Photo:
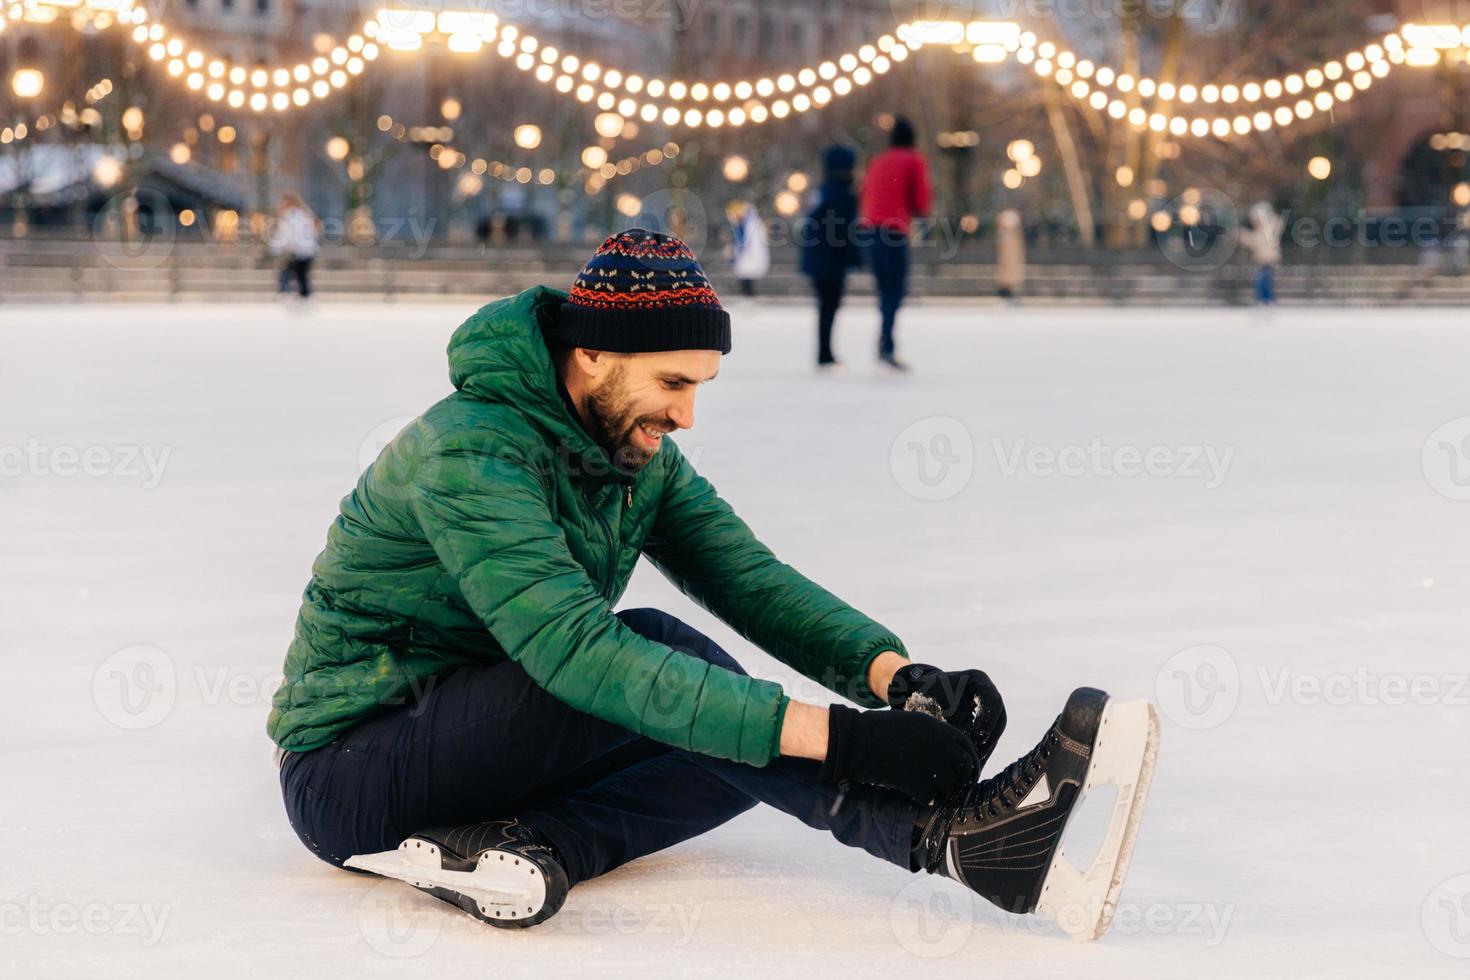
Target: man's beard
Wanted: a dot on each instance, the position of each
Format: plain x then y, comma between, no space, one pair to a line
613,423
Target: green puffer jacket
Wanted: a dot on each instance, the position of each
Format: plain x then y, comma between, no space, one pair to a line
493,527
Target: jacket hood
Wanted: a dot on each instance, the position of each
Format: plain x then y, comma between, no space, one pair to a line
500,355
838,162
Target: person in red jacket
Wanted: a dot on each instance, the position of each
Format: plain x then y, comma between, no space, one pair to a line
895,191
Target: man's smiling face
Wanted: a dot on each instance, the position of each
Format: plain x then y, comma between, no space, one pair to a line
629,402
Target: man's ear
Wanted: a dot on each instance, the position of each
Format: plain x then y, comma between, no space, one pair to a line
593,363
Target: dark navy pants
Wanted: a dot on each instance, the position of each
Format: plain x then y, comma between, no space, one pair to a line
889,255
486,743
829,298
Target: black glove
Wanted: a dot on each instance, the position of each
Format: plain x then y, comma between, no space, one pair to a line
921,757
965,699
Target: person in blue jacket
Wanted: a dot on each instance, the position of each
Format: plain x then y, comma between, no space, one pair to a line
827,250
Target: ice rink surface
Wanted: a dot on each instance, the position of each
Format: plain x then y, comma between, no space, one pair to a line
1260,522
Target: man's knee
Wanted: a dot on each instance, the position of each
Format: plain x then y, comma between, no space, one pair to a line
657,625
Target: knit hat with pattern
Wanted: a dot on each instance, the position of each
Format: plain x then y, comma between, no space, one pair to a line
643,291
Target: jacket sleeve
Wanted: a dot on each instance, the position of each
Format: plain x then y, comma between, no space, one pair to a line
923,193
485,508
701,546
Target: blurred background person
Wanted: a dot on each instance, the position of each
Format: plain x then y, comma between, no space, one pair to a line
1263,238
294,239
896,190
750,249
827,249
1010,255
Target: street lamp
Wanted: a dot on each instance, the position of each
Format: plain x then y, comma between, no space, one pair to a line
608,124
107,172
132,120
528,136
27,83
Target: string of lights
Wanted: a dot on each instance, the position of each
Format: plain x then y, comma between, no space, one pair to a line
596,171
260,89
631,94
1225,109
1327,85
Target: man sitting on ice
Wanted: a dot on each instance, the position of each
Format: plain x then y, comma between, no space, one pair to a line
463,709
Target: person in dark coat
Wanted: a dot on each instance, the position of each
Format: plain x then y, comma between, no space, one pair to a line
827,253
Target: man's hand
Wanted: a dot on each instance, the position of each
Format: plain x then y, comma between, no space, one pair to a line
921,757
966,699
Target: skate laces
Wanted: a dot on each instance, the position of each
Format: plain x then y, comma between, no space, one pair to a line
1000,793
988,799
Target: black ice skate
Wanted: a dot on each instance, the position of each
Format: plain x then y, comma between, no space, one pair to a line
1006,838
497,871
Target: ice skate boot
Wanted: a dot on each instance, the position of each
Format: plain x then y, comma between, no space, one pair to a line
1015,838
498,871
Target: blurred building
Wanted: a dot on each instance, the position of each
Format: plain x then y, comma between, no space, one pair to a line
748,36
209,155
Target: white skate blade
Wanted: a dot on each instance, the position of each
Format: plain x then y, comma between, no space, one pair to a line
1082,901
500,882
